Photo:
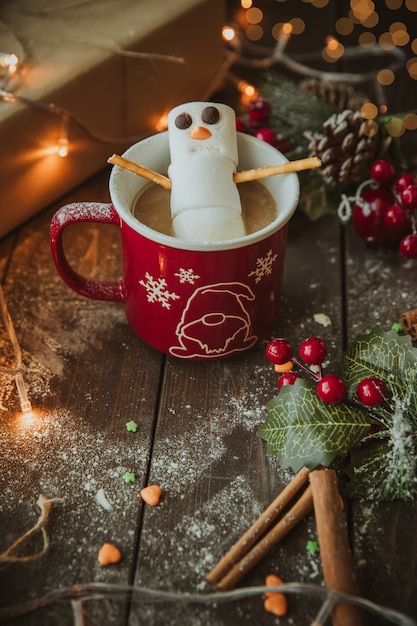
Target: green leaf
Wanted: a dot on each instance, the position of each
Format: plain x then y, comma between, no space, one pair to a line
383,354
301,430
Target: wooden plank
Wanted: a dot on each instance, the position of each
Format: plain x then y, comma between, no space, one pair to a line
380,286
212,467
87,375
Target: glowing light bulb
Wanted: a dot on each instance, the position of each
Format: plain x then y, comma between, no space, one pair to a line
9,62
228,33
62,147
25,403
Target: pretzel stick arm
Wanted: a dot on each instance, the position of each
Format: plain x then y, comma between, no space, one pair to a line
140,170
272,170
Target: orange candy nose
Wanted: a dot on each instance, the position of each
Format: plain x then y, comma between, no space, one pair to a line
200,132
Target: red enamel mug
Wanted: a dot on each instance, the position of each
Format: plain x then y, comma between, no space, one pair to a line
192,300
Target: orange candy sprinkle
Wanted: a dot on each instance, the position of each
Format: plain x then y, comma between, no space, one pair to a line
283,367
151,494
109,554
275,602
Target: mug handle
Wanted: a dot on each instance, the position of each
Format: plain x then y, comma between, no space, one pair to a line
83,212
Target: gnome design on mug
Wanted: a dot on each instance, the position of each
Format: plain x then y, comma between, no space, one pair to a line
215,322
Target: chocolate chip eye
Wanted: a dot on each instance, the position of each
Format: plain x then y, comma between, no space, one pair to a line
183,121
210,115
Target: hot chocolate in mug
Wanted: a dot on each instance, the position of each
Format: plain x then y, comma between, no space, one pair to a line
193,300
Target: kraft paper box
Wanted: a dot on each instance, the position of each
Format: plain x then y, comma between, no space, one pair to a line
80,59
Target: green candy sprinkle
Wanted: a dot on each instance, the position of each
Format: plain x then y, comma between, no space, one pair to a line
129,477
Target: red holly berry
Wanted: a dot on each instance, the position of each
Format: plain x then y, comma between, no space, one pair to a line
408,246
396,219
372,391
403,181
368,217
313,351
409,197
279,351
267,135
241,126
259,111
382,172
288,378
331,389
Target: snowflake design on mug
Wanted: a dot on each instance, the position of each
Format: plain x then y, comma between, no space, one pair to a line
187,276
263,266
157,291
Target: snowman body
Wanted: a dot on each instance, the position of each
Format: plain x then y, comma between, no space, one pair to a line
205,202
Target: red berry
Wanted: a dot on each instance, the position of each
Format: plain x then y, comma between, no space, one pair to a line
396,219
382,172
409,197
279,351
267,135
372,391
408,246
404,180
313,351
259,111
288,378
331,389
241,126
368,217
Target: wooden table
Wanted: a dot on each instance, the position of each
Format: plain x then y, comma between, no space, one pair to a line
87,375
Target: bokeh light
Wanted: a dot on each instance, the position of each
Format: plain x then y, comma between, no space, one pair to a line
410,121
393,4
282,31
344,26
411,66
333,50
396,127
367,40
385,77
386,41
254,15
254,32
369,110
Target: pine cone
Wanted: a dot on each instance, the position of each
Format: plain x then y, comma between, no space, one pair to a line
337,95
346,148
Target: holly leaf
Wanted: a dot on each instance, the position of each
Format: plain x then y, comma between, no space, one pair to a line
383,354
301,430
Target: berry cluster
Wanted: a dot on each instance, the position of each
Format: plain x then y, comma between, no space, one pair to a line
259,111
385,212
331,389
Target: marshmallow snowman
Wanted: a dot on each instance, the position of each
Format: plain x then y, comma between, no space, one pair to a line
205,202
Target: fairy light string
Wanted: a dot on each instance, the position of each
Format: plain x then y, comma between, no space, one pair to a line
11,63
84,592
18,371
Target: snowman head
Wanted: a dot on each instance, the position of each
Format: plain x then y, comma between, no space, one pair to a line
202,128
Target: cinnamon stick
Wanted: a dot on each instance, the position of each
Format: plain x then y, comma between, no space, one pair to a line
336,557
408,321
272,170
300,509
243,545
140,170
